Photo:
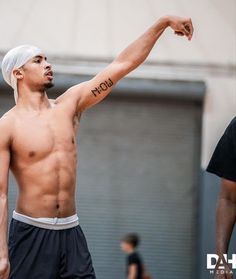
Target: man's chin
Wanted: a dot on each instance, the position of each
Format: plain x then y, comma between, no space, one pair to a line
48,85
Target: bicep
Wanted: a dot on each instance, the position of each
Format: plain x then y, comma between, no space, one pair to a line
86,94
100,86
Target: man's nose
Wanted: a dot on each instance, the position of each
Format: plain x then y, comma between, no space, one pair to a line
48,65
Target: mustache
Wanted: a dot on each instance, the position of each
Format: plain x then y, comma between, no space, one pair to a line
49,72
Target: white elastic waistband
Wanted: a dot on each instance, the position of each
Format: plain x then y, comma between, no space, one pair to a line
48,223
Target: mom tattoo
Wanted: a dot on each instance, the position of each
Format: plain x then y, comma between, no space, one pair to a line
103,86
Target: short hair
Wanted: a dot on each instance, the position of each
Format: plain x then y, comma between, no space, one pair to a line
132,238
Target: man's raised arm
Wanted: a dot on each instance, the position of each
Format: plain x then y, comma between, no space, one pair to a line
4,171
93,91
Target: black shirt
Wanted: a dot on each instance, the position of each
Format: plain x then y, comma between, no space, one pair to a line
223,160
134,258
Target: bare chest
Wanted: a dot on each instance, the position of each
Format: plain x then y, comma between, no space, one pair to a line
37,137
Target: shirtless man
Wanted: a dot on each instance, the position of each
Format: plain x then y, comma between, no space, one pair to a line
38,144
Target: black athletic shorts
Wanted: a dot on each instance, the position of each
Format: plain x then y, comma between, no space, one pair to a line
37,253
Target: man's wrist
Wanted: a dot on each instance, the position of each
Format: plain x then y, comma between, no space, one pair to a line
166,20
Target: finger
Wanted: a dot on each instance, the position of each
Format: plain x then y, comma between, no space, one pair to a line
186,27
179,33
188,30
189,27
185,31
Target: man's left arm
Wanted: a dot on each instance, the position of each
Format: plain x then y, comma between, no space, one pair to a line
91,92
225,215
225,221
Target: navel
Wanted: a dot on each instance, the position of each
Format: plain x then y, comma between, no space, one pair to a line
73,140
31,153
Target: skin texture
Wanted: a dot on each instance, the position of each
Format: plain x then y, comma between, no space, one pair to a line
225,221
38,135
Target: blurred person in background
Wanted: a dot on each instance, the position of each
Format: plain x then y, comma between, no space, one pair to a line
135,268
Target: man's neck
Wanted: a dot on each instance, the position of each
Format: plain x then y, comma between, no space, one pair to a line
33,101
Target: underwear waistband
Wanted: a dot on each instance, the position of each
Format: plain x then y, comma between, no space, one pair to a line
56,223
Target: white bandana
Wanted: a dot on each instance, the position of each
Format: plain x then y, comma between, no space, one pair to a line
16,58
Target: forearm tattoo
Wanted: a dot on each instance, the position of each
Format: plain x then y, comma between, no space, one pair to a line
103,86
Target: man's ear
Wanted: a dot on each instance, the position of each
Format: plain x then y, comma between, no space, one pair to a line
18,73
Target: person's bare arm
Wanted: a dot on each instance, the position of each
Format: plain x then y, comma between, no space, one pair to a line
132,272
93,91
4,171
225,219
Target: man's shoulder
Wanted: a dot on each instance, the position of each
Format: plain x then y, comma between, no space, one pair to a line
7,115
6,122
233,122
231,128
70,92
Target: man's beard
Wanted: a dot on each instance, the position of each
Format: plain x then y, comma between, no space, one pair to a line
48,85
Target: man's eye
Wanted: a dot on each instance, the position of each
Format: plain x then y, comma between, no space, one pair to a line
37,61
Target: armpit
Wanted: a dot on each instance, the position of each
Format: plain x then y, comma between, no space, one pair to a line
76,119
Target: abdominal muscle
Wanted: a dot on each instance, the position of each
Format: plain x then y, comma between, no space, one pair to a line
47,186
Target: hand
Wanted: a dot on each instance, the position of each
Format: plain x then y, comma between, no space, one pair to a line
226,275
4,268
182,26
